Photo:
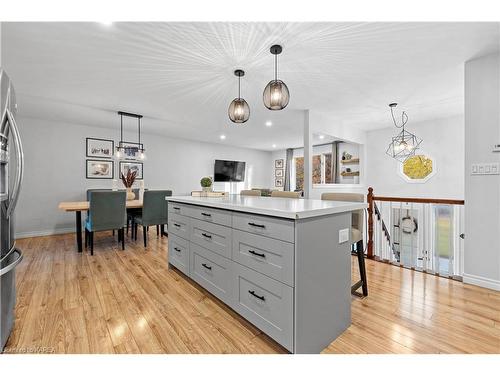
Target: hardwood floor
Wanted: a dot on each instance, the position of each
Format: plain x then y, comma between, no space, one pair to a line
129,302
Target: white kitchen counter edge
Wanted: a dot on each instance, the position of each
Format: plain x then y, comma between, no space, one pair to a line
333,207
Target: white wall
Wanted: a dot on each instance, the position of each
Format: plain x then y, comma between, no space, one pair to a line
443,139
55,169
482,193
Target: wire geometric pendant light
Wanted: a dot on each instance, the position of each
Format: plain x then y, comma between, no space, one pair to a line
404,144
239,111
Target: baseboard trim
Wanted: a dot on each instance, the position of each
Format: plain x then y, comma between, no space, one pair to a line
49,232
481,281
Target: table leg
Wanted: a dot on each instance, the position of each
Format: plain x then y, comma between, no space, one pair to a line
79,230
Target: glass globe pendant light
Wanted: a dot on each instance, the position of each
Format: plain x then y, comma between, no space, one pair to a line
239,111
276,95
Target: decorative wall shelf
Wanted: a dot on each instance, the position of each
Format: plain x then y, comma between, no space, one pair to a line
349,174
350,161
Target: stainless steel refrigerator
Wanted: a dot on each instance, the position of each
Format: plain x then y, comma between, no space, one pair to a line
11,176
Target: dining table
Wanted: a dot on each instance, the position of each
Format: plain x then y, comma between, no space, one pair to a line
78,207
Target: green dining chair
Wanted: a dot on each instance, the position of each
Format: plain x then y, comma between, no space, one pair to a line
106,212
154,212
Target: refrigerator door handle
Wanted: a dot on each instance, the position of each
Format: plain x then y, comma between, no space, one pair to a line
13,265
20,163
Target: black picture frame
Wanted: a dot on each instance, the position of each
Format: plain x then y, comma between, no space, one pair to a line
278,182
108,176
90,155
140,175
131,149
279,163
279,172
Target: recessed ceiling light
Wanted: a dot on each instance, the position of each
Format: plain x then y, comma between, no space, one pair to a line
274,146
222,136
321,136
269,123
106,23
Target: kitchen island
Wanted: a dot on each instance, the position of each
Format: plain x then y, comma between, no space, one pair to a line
281,263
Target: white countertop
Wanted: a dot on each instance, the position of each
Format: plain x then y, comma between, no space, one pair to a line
289,208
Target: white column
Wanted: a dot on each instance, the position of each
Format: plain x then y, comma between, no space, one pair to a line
307,156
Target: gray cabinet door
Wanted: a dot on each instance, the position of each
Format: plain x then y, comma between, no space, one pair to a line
210,215
281,229
178,253
212,271
178,225
266,303
211,236
273,258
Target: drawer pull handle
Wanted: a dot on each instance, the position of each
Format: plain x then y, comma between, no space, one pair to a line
256,253
207,267
257,225
177,225
205,214
176,249
252,292
177,208
206,235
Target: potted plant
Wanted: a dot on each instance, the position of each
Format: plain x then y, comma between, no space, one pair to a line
206,184
128,181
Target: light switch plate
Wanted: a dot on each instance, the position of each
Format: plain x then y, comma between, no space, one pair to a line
343,235
485,168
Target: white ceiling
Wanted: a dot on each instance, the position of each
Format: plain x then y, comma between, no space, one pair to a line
180,75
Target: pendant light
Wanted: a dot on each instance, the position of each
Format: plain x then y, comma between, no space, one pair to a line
276,95
124,150
239,111
404,144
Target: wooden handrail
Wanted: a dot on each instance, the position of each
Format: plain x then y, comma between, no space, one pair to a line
370,198
419,200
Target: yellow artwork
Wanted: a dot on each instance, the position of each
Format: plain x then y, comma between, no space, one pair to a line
417,167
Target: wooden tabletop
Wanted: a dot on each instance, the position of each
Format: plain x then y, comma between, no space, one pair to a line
84,205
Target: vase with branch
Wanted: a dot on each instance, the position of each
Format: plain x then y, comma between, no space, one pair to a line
128,181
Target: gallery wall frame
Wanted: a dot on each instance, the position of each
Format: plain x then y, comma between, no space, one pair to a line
99,169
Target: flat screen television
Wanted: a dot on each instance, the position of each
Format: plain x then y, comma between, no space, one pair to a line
229,171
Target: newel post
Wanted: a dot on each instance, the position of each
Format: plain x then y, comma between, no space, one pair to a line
369,200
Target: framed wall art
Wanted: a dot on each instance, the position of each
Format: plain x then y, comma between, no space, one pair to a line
100,148
125,166
131,149
278,172
99,169
278,182
278,163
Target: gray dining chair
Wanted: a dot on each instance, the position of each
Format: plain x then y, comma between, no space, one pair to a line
252,193
356,235
154,212
285,194
106,212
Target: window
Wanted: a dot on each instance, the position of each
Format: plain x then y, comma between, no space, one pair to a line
322,170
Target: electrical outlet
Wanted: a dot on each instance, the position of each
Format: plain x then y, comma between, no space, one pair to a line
343,235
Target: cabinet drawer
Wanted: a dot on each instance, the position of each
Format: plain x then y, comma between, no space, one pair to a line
178,225
178,253
210,215
212,271
177,208
273,258
266,303
280,229
211,236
